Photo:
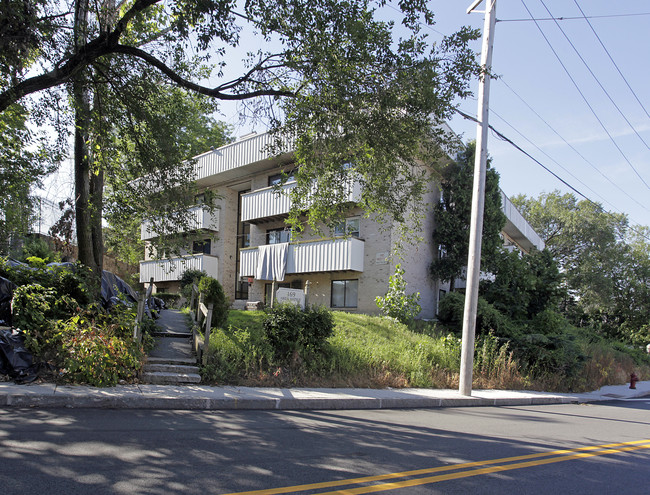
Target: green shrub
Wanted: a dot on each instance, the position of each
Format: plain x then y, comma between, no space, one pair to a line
97,348
488,318
188,278
171,299
292,331
213,294
35,310
396,303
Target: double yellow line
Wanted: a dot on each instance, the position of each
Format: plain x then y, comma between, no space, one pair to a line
464,470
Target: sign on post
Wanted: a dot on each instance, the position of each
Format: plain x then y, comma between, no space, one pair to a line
294,296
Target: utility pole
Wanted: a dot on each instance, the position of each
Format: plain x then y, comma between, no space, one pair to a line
478,202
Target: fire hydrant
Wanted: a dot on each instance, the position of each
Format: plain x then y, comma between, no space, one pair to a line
633,380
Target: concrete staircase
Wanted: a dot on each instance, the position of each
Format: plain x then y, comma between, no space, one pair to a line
172,361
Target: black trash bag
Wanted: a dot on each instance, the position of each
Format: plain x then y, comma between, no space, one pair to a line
7,288
15,360
112,287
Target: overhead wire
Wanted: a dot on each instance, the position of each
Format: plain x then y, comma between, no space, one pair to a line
602,174
501,136
564,18
627,160
586,18
597,80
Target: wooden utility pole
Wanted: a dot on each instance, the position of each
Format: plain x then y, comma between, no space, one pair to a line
478,202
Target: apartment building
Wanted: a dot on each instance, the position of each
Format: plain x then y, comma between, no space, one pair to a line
246,245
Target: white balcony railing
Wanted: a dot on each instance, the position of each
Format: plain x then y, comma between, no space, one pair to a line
269,202
173,269
313,256
199,218
518,228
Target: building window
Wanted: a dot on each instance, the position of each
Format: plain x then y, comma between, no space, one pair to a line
269,287
345,293
202,247
276,179
276,236
350,227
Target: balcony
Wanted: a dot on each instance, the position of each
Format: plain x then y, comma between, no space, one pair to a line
199,218
172,269
268,202
328,255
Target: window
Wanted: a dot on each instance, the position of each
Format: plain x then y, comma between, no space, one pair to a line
276,236
268,288
349,227
202,247
276,179
344,293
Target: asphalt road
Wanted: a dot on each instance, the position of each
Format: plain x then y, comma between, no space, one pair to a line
518,450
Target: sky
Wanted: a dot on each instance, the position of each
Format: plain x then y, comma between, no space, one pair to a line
547,100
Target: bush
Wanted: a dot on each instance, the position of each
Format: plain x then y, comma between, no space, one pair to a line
171,300
97,348
293,332
188,278
488,318
396,303
34,310
213,294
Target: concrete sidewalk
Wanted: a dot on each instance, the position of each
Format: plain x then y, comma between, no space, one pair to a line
225,398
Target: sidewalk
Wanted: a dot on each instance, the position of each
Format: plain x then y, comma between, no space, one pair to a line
225,398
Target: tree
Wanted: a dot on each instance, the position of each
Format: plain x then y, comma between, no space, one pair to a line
452,218
604,265
335,79
24,161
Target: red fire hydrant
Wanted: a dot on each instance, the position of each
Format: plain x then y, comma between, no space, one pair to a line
633,380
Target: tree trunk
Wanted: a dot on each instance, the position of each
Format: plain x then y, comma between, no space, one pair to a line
89,183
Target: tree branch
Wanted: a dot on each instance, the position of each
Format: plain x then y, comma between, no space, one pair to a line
215,92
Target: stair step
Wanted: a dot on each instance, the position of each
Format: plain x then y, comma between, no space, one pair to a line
170,334
171,368
170,360
165,378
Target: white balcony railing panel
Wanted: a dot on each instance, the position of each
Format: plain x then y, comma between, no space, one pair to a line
313,256
199,218
518,228
266,202
173,269
269,202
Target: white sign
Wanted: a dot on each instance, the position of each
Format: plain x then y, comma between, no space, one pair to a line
381,258
294,296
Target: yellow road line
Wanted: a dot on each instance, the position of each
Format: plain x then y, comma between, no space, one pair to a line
478,472
381,477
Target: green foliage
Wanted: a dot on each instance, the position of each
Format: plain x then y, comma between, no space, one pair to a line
524,285
488,318
98,348
452,218
213,294
188,278
171,299
37,247
606,267
293,332
396,303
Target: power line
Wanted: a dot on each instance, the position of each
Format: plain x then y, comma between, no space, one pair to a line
515,145
586,18
570,145
585,99
550,157
610,16
597,80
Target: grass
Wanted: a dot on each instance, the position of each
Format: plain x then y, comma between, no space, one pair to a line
374,352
